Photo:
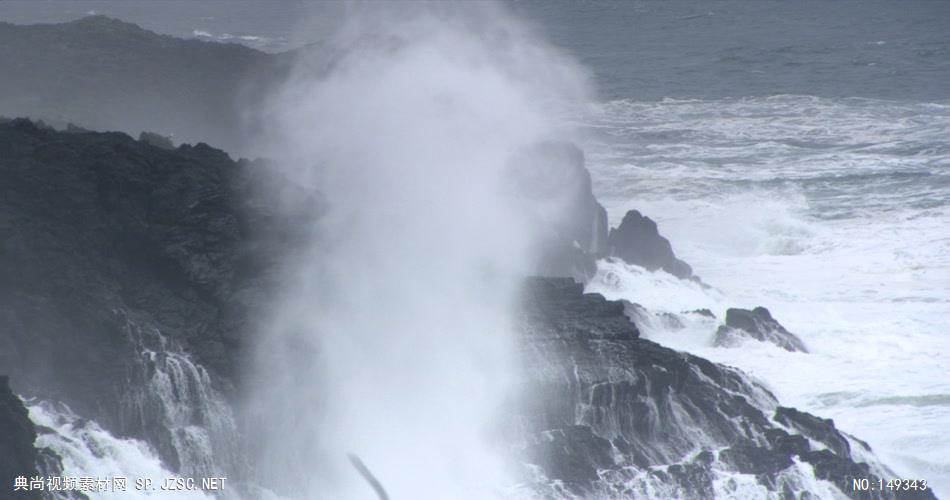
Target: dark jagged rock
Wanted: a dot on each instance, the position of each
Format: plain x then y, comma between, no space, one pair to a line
757,324
18,456
552,177
111,75
101,236
615,415
638,241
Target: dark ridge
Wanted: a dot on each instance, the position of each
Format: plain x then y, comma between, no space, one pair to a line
108,74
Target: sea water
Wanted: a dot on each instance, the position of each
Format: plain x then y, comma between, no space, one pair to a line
832,212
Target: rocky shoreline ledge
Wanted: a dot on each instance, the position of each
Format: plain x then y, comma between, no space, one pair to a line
121,258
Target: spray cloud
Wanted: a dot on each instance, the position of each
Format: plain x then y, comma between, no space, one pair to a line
392,338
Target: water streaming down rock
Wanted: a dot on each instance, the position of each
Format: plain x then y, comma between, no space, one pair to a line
122,294
171,401
185,427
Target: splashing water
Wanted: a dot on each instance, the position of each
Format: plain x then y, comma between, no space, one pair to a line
833,213
187,428
172,401
87,450
392,338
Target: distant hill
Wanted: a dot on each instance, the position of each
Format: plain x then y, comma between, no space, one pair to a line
107,74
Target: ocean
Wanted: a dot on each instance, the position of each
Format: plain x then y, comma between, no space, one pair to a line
796,154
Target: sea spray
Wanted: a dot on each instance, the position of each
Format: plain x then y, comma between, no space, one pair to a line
392,337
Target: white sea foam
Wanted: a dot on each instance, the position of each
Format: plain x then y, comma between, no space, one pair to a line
834,214
87,450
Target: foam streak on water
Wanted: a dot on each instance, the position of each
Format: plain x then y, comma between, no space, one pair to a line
834,214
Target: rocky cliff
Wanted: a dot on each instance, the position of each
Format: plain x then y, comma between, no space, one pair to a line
118,258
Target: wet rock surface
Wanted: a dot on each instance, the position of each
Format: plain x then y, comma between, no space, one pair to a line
613,414
757,324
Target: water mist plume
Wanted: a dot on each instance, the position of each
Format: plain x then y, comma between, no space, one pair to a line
392,338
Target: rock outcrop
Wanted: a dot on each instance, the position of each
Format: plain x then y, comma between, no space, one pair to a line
618,416
18,456
638,241
757,324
